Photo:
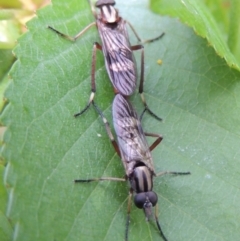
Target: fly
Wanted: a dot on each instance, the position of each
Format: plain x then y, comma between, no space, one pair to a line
136,157
117,51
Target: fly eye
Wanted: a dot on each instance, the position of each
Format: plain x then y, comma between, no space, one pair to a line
142,200
153,198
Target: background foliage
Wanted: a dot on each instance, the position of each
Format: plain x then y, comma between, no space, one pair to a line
194,91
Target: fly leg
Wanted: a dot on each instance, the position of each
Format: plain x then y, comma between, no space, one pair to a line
137,47
146,108
95,47
173,173
114,143
108,129
93,83
158,224
156,207
116,179
156,142
73,39
139,39
128,213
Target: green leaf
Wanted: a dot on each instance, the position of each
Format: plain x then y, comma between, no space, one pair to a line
5,226
220,11
193,90
198,16
234,31
6,60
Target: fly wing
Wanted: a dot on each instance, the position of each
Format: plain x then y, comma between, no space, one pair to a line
119,59
131,139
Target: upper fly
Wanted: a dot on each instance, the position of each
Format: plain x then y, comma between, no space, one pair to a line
117,50
119,60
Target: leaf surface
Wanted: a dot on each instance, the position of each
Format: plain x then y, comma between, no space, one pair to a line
193,90
222,36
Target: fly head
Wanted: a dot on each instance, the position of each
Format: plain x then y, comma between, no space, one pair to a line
145,201
100,3
108,13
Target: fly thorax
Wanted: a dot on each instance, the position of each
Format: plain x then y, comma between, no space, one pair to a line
109,14
141,179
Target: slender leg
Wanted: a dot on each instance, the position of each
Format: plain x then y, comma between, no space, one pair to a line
158,224
139,39
142,70
141,91
73,39
116,179
173,173
128,214
146,108
93,83
95,47
153,39
156,142
108,129
156,207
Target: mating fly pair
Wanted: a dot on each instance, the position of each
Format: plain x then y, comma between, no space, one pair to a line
118,53
132,146
136,157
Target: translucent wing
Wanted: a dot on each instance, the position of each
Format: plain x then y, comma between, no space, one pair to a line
131,139
119,59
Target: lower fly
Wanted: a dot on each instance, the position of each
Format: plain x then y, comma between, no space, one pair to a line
132,147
